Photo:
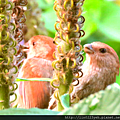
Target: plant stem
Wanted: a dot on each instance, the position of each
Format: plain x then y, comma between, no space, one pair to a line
4,97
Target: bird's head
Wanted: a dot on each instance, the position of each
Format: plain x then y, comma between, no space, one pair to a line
41,47
101,55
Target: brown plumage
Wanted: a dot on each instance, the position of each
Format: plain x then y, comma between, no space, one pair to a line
99,70
37,65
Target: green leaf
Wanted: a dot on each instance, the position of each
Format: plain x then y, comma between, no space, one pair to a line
32,111
114,44
44,4
65,100
33,79
91,12
49,18
118,79
49,1
101,15
105,102
109,22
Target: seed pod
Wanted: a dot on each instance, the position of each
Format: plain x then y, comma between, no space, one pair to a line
67,40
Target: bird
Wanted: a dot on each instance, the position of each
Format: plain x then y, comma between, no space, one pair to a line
38,64
99,70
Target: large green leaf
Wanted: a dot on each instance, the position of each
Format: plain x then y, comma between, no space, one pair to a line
32,111
105,102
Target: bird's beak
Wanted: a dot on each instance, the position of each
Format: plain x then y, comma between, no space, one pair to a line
88,48
25,48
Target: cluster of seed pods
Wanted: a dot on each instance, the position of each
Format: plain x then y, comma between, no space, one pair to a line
19,21
7,53
67,66
11,23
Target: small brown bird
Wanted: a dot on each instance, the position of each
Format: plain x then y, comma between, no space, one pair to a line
99,70
37,65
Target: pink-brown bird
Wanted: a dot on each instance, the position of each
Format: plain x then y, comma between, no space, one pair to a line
37,65
99,71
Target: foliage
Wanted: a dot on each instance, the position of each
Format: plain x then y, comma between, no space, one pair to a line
68,31
101,15
34,25
48,15
101,22
32,111
105,102
65,100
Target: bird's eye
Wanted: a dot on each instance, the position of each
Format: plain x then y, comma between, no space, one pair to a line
103,50
34,43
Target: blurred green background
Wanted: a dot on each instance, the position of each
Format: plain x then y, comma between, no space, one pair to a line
102,21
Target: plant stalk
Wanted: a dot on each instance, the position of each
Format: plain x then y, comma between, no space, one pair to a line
4,97
68,44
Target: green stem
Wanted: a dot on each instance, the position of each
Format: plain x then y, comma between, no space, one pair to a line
4,97
64,87
62,90
60,107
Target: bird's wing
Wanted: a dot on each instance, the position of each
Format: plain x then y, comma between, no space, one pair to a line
88,84
28,90
36,67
